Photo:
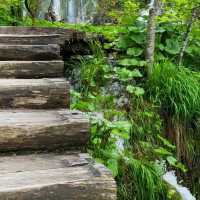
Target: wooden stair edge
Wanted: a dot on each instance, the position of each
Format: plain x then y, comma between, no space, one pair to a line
31,69
44,93
55,176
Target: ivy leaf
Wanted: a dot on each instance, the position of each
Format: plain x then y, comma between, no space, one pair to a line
134,52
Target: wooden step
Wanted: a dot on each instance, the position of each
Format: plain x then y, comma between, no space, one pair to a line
65,34
29,52
55,177
31,69
29,39
34,93
42,130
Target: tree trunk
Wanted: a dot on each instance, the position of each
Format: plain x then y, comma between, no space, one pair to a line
186,37
151,35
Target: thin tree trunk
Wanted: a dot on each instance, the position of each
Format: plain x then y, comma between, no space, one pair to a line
178,135
186,37
151,35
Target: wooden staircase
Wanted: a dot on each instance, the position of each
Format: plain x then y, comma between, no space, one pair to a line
41,142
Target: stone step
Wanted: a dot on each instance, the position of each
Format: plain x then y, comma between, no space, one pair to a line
29,39
42,130
29,52
54,177
44,93
31,69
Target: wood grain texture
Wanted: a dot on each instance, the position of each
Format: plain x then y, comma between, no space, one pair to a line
34,93
65,34
31,69
42,130
55,177
29,52
29,39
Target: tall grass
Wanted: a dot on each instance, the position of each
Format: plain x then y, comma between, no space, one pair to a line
177,89
140,180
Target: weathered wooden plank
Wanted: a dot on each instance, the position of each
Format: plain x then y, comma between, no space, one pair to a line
31,69
29,52
55,177
42,129
65,34
34,93
29,39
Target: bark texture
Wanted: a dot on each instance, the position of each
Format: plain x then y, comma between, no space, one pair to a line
151,35
186,36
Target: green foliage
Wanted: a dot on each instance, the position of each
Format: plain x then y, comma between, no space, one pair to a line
126,134
176,89
10,12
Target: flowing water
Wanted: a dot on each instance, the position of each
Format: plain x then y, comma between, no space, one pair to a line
72,11
56,6
184,192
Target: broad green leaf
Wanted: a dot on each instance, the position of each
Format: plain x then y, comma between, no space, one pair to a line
173,161
172,46
139,38
166,142
134,51
163,152
128,62
123,43
138,91
125,74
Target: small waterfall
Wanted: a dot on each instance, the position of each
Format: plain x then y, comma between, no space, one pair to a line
82,11
184,192
56,6
71,11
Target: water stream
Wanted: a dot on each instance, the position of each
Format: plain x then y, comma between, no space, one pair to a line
184,192
56,6
72,11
